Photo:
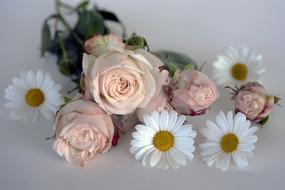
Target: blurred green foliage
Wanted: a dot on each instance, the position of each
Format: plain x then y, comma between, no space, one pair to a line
67,44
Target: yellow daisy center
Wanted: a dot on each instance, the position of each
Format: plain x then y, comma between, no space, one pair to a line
34,97
239,71
163,140
229,143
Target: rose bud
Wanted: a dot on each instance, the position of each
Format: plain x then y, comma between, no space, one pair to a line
82,131
99,45
252,100
192,92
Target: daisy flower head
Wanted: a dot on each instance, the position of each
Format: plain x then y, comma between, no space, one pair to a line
231,137
33,95
164,140
238,65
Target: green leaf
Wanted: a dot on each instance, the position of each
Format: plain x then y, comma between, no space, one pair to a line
109,16
276,99
90,23
65,66
66,99
46,38
136,42
181,61
172,69
81,6
189,67
264,120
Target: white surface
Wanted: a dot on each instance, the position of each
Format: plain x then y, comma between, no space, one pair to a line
199,28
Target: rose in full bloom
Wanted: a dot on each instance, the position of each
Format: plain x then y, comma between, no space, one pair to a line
82,131
192,93
252,100
120,80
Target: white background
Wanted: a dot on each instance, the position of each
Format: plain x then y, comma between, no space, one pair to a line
199,28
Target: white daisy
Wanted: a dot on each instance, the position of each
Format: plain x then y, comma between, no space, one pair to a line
231,137
33,95
163,140
237,66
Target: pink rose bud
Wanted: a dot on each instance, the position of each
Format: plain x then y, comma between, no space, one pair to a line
82,131
252,100
192,93
98,45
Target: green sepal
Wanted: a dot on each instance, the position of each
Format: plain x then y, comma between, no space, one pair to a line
189,67
136,42
45,38
179,60
66,99
264,120
176,62
276,99
172,69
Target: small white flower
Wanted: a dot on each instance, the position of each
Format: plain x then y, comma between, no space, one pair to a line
238,66
231,137
31,95
164,140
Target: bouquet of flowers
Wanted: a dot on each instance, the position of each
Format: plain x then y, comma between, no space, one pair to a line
123,86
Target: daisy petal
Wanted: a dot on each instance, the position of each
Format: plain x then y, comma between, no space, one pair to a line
230,121
240,160
225,162
171,161
210,151
249,139
150,122
210,160
210,135
142,151
179,123
172,119
222,122
147,157
155,157
163,120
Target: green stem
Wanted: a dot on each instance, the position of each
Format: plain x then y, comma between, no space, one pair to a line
66,6
65,23
65,55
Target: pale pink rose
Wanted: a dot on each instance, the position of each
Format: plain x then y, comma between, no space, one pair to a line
158,103
159,100
192,93
82,131
161,76
252,100
121,82
98,44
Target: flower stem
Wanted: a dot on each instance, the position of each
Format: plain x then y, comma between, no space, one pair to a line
65,23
